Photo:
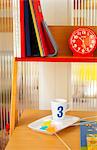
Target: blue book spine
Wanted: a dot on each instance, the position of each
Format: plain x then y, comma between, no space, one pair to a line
27,28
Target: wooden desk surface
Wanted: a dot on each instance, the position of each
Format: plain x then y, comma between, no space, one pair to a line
24,138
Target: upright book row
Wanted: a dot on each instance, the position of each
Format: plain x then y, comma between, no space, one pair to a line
32,36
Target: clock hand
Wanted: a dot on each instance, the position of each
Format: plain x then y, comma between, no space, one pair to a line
83,42
81,39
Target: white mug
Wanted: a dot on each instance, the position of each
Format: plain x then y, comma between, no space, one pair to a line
59,107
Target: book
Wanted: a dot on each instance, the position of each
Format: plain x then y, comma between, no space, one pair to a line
33,38
89,136
27,29
51,43
37,18
14,27
18,28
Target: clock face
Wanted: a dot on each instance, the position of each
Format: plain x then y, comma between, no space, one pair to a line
83,41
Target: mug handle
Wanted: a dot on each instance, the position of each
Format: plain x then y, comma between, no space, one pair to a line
68,109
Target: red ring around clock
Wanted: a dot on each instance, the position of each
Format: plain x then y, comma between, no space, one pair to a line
83,42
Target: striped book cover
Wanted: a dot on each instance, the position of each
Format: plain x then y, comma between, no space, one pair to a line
89,136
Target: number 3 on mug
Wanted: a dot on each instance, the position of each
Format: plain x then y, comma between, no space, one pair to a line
60,112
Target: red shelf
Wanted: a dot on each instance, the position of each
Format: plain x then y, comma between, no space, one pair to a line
58,59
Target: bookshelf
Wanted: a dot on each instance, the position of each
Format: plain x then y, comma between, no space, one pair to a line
61,35
65,55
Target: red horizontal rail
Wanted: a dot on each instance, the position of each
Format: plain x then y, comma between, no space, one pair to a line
58,59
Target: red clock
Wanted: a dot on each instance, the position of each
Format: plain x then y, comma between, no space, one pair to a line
83,42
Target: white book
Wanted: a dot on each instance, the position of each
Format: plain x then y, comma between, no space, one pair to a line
14,28
17,27
19,30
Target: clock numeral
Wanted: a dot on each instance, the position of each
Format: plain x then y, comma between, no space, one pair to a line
73,41
75,37
79,48
91,36
79,33
84,32
75,45
83,51
93,41
91,46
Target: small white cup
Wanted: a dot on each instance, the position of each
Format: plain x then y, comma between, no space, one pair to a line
59,107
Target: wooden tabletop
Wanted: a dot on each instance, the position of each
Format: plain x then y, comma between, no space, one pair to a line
24,138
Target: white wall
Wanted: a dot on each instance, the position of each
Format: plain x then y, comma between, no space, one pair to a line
54,82
54,78
57,12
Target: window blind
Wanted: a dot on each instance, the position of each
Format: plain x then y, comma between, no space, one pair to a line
84,86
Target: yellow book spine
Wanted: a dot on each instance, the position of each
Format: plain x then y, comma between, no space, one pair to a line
36,28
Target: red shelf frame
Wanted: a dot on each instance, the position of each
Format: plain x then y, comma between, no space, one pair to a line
58,59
